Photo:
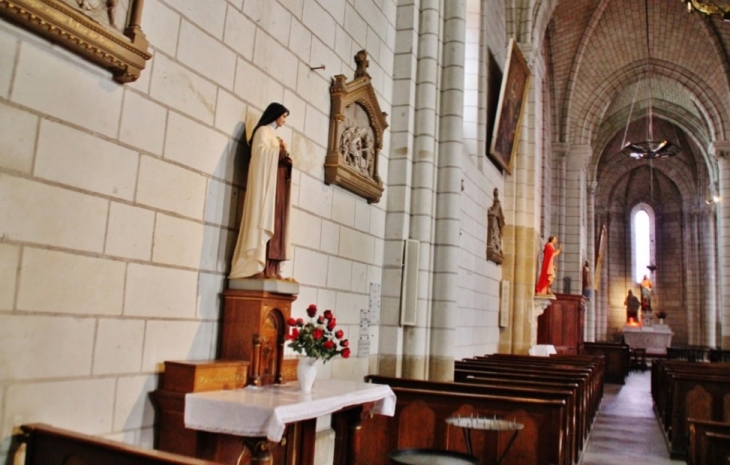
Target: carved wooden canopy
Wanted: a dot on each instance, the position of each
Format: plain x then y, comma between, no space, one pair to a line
356,134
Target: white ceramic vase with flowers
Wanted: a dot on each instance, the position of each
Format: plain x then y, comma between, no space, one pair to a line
317,339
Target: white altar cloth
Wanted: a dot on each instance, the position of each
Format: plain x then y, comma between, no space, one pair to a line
655,339
542,350
265,411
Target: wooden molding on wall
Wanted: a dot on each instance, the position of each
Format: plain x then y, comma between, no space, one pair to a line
121,49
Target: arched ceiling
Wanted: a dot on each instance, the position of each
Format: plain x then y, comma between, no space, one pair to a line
598,57
606,69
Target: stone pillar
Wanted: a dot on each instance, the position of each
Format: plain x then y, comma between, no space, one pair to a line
422,191
721,150
708,274
448,203
557,218
590,329
523,200
409,63
601,295
574,219
692,257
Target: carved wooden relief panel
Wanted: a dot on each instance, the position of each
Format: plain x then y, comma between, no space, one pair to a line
105,32
356,134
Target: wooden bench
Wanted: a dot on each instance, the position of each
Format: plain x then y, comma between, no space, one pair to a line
540,372
706,444
420,423
683,390
548,369
617,359
546,388
48,445
508,388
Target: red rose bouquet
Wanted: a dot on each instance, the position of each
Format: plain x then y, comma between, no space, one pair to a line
318,338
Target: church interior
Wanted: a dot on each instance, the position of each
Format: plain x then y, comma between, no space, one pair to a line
469,182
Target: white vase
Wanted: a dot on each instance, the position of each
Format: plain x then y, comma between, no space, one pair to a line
661,321
306,373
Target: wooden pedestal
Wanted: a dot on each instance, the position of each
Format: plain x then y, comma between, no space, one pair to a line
561,324
252,352
254,329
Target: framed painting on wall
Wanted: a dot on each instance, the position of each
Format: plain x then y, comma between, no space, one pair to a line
105,32
512,98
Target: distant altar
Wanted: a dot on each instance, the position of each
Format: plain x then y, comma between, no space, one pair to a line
655,339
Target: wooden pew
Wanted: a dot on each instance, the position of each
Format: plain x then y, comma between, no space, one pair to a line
420,422
544,372
617,359
549,370
585,370
47,445
718,448
699,445
684,389
662,382
476,385
592,365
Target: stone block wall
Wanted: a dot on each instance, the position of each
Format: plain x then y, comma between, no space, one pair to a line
120,203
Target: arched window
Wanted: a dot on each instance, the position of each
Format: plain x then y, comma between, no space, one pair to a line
642,233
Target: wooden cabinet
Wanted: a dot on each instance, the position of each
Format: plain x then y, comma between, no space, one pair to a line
561,324
254,329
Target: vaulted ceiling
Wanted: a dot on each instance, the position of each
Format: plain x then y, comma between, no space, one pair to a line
604,64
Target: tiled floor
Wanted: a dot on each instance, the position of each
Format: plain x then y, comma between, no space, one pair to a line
626,431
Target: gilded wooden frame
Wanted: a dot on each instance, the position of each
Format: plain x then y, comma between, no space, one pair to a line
121,49
352,163
511,106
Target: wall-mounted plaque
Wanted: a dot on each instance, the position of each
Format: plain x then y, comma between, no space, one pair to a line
105,32
356,134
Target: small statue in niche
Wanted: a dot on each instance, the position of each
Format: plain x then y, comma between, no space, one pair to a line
495,231
361,60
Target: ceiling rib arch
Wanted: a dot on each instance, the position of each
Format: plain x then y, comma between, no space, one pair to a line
588,116
577,61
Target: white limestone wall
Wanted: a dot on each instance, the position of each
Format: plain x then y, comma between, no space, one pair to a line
119,203
477,330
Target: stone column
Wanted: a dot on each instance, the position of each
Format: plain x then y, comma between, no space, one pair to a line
692,257
422,191
589,334
721,150
708,274
601,297
448,203
557,218
523,200
574,230
409,63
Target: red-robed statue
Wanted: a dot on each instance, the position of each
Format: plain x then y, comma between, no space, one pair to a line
549,270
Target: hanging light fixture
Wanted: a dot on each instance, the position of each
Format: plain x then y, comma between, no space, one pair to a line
650,148
710,8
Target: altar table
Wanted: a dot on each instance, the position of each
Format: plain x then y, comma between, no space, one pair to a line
263,413
655,339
